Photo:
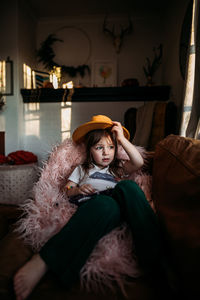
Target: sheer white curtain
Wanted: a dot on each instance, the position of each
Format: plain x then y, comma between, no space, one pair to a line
190,125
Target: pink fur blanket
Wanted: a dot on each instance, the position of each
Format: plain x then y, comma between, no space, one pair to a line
112,259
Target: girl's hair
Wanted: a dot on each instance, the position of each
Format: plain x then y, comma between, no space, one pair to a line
91,139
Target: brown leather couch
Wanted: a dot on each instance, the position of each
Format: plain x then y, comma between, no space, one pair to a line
176,194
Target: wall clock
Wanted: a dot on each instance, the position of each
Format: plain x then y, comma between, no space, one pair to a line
66,47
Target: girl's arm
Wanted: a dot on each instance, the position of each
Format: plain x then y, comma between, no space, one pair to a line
136,160
72,189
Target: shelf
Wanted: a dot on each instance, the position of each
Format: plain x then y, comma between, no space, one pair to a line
143,93
44,95
98,94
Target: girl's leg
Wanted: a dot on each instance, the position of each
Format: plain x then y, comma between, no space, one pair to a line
143,222
28,276
67,252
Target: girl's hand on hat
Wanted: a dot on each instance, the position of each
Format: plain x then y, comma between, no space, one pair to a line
86,189
136,161
117,128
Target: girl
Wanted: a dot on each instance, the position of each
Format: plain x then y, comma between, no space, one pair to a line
104,200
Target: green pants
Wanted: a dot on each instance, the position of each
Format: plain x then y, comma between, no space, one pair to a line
67,251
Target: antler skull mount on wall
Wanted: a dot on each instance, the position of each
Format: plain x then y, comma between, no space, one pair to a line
117,38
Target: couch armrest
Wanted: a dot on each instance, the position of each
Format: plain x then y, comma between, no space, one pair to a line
176,194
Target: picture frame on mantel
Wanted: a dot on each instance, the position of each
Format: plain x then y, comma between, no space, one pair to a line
39,77
104,73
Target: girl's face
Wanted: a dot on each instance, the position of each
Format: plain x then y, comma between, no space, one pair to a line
103,152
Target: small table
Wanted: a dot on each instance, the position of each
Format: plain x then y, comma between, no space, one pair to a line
16,182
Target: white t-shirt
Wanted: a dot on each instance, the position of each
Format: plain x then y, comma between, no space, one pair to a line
100,179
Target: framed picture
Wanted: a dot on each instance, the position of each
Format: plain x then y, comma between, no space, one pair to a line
39,78
6,77
104,73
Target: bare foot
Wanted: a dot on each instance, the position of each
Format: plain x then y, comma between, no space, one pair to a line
28,276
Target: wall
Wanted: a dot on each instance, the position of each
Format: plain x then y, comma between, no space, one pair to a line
17,41
48,124
38,127
27,24
9,47
147,33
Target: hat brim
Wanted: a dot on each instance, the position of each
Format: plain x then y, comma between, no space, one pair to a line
81,131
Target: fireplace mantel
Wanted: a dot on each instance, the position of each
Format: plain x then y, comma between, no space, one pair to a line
98,94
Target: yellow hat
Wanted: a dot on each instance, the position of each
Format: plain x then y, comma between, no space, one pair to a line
97,122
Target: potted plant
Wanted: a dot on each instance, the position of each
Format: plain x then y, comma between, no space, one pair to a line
151,67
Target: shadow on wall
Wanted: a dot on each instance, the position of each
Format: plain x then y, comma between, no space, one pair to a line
48,124
45,125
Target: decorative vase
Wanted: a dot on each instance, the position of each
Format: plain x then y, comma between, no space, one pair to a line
149,81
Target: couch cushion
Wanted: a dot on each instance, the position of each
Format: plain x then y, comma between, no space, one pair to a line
8,216
176,193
